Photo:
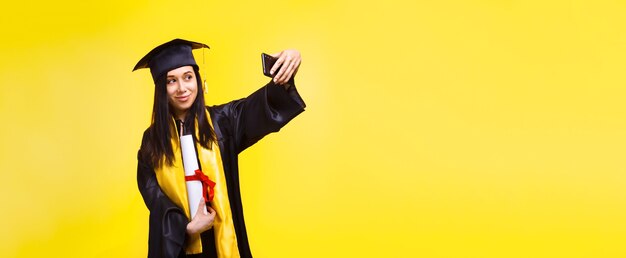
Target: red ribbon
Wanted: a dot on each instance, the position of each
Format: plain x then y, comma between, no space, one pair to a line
199,176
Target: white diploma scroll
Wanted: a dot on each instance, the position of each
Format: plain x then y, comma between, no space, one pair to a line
190,164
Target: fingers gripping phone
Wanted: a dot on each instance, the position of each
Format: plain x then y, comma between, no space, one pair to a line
268,62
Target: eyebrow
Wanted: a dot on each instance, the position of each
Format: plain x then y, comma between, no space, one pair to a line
168,76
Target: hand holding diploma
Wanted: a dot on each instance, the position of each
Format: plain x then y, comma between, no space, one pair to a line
203,220
202,216
190,164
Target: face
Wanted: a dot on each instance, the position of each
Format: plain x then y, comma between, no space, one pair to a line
182,89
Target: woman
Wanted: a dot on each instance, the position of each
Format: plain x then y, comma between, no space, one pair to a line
220,133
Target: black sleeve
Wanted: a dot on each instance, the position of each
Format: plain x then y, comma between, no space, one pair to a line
263,112
168,222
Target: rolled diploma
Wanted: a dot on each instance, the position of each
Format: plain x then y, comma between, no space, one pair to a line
190,164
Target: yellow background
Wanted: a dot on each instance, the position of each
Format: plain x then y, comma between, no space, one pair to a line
433,128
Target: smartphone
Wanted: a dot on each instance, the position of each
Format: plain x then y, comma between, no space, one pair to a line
268,62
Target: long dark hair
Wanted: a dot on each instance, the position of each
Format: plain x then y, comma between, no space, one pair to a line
158,149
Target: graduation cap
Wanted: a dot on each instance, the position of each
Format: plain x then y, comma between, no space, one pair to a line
169,56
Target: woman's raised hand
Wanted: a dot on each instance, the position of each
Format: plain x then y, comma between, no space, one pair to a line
289,62
203,220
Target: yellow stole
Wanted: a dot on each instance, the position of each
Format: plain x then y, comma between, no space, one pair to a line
172,181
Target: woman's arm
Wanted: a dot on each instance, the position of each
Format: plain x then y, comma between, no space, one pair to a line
265,111
167,221
163,209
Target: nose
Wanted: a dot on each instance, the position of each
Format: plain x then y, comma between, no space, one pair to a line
180,87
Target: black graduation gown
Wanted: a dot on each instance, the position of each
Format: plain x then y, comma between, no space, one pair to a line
237,124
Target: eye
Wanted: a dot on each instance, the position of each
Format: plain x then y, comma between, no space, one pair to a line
188,77
170,81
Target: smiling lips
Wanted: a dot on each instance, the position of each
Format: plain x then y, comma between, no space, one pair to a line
183,98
